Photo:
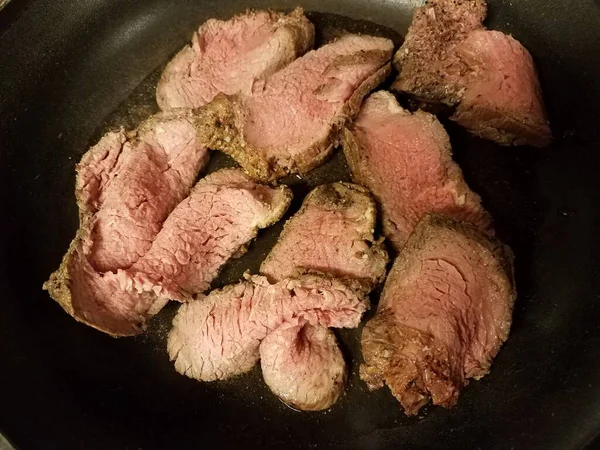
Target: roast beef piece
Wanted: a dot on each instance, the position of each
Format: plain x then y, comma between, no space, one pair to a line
230,56
290,123
405,160
449,57
333,234
221,215
96,299
219,337
425,61
444,313
502,100
132,184
304,366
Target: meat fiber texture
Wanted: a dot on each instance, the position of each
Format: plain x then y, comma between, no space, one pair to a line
126,186
449,57
444,313
131,185
218,337
405,160
230,56
223,213
332,233
290,123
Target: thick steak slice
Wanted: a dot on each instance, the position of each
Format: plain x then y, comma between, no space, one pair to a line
333,234
229,56
219,337
304,366
405,160
221,215
425,59
448,57
131,185
502,100
444,314
289,123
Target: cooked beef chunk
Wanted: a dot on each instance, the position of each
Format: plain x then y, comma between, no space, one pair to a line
502,100
228,57
223,212
425,59
219,337
304,366
289,123
131,185
449,57
333,234
405,160
444,313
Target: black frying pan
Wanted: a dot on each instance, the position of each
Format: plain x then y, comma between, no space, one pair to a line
69,69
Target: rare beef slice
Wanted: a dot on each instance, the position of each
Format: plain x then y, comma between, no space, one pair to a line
131,184
290,122
332,233
218,337
230,56
405,160
444,313
223,213
449,57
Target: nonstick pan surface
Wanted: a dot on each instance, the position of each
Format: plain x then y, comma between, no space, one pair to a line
71,69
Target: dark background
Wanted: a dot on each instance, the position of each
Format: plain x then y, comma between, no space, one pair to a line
69,70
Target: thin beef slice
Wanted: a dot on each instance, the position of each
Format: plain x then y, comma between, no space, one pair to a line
448,57
290,123
230,56
332,233
131,182
221,215
218,337
444,313
405,160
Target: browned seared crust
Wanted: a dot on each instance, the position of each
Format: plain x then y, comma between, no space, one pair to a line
414,364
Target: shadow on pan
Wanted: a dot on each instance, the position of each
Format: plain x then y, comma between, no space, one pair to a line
69,70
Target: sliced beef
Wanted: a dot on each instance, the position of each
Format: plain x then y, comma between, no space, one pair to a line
425,61
219,337
405,160
220,216
449,57
333,234
444,314
289,123
132,184
502,99
223,212
96,299
230,56
304,366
